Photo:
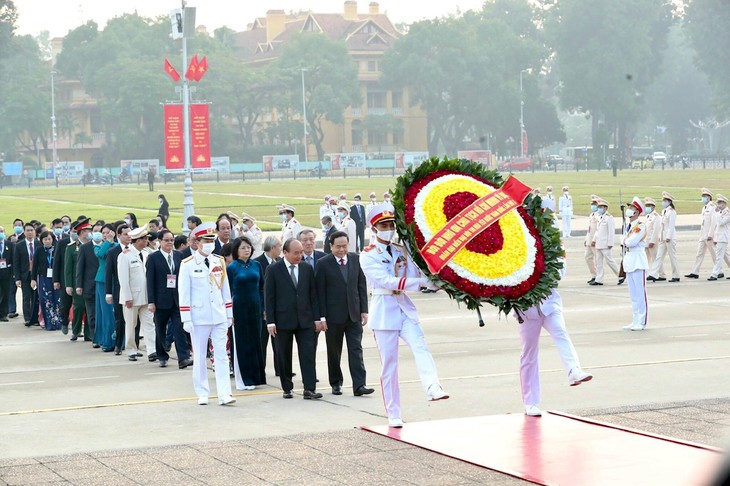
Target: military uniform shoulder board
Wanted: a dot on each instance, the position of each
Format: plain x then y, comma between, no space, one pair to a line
397,245
217,256
188,258
369,247
293,220
72,243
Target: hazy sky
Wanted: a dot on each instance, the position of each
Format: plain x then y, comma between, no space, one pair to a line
60,16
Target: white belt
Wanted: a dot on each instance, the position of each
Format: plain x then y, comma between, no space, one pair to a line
386,292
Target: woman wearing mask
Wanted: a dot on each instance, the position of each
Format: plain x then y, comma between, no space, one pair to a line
667,243
42,280
164,206
247,290
104,312
131,221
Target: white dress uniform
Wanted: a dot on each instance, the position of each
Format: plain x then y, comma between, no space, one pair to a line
603,239
256,236
548,202
326,210
590,253
721,238
205,301
705,243
566,212
653,232
669,217
132,274
290,229
635,266
393,315
348,226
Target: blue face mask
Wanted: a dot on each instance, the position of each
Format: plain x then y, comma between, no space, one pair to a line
96,236
2,236
18,229
594,208
601,210
57,231
325,227
705,200
649,209
66,228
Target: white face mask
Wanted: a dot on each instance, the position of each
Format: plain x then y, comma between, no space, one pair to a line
208,248
386,235
665,204
630,213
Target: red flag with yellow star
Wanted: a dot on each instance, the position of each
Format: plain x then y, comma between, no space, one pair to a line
171,71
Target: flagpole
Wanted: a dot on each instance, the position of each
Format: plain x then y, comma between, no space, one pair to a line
188,204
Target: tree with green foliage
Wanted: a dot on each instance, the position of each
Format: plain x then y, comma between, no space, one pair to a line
8,18
331,83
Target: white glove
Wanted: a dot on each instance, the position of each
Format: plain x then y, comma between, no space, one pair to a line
188,326
425,282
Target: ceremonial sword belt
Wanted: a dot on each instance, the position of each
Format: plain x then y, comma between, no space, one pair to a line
386,292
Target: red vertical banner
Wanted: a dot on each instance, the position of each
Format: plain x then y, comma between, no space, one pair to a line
174,142
199,136
524,143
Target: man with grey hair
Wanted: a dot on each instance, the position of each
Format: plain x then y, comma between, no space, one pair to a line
271,254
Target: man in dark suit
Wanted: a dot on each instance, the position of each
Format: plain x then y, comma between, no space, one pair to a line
6,274
86,268
328,228
309,255
59,280
271,254
111,281
163,268
343,300
22,257
357,214
292,310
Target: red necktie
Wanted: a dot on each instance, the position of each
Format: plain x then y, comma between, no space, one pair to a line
342,262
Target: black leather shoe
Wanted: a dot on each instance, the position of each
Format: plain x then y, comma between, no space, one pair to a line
152,357
107,350
692,275
13,315
168,347
363,390
712,279
64,329
650,279
5,319
74,337
288,395
660,279
117,351
596,283
163,363
337,390
591,280
621,280
96,346
132,357
720,275
185,363
311,395
27,324
675,279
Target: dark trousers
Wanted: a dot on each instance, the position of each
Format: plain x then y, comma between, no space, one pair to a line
30,302
352,332
305,347
79,310
265,344
360,237
5,285
12,303
65,309
90,327
163,317
119,326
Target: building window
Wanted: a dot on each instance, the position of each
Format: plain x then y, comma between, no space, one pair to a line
356,132
376,99
397,138
369,29
376,138
397,98
373,66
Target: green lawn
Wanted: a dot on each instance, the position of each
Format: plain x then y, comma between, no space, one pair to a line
260,198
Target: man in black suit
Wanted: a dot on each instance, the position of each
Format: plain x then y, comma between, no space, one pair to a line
328,228
343,300
357,214
309,255
59,280
6,274
271,254
163,268
22,257
292,310
111,281
86,268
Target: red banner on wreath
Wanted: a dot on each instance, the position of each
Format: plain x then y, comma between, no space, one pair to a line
200,136
174,141
471,221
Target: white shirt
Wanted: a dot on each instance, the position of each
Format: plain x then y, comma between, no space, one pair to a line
343,258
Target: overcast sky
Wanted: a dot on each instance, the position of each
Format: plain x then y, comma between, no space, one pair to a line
60,16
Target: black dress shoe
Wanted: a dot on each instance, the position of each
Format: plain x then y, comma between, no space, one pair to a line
168,347
337,390
96,346
288,394
311,395
74,337
13,315
675,279
621,280
4,319
692,275
660,279
185,363
133,357
64,329
363,390
591,280
117,351
107,350
596,283
712,279
163,363
27,323
152,357
650,279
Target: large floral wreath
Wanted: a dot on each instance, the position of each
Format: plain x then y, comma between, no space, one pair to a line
513,264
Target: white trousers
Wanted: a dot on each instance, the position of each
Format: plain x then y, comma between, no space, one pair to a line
720,255
651,255
566,224
590,256
147,325
554,324
703,246
387,342
657,270
602,256
218,334
637,292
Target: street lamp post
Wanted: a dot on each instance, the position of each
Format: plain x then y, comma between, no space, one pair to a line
304,116
54,133
188,22
522,119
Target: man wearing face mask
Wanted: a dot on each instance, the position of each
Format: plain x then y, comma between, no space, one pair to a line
590,252
705,243
393,316
328,228
603,242
721,236
290,227
653,229
57,229
6,274
59,280
325,209
667,243
206,311
636,264
357,214
80,232
548,202
254,234
66,225
86,269
566,211
346,224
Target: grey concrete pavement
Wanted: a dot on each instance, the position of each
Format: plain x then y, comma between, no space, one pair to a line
70,414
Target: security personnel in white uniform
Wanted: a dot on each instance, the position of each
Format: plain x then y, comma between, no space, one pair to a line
566,211
667,242
548,202
721,236
325,209
636,264
290,227
590,252
132,273
347,224
705,243
206,310
653,229
603,242
390,272
250,230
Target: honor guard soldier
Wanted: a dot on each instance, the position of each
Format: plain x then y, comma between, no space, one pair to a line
348,225
636,264
590,253
206,310
290,226
653,229
721,236
707,228
603,242
667,242
390,273
250,230
566,211
325,209
549,200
